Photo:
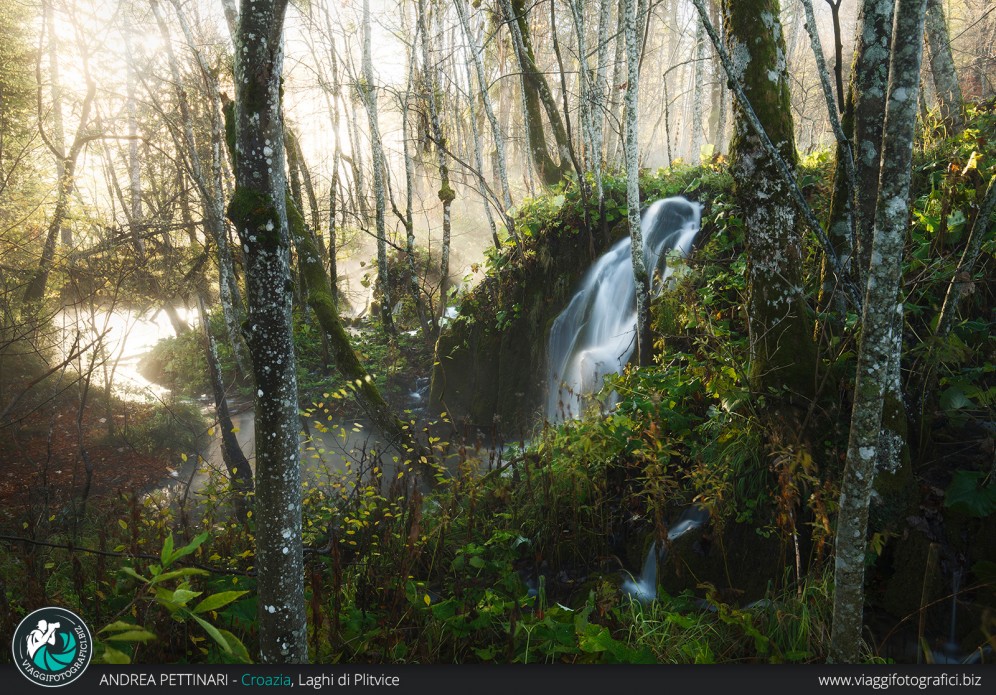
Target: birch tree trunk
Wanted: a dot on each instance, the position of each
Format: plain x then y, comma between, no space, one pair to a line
369,95
943,69
644,347
879,324
496,131
258,210
212,204
446,193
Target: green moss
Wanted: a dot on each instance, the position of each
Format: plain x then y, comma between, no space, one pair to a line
446,193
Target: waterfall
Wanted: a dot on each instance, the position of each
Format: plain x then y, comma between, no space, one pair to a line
644,587
596,334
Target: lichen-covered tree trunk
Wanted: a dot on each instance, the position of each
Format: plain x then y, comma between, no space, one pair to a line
942,67
644,347
870,79
783,356
879,323
258,210
698,95
863,117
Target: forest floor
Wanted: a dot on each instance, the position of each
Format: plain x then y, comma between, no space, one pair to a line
43,468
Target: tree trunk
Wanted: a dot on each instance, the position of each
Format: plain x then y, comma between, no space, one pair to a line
369,95
425,322
943,69
259,213
496,131
446,192
644,347
236,463
783,356
879,323
698,82
211,196
538,99
870,78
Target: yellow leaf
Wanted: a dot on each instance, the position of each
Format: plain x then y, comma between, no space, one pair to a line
427,599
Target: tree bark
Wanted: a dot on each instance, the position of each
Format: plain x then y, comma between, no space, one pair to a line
496,131
211,194
446,193
879,324
258,210
644,344
236,463
538,99
369,96
783,356
943,69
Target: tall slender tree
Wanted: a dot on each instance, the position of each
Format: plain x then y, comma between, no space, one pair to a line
644,349
259,212
878,326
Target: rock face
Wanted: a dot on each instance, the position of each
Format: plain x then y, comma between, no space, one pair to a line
490,361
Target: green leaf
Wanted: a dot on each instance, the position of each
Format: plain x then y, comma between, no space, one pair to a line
216,601
120,626
184,572
167,554
113,656
182,596
239,650
965,494
954,398
477,562
214,633
139,635
191,547
132,573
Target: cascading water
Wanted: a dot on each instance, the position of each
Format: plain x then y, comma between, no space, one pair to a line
644,587
596,334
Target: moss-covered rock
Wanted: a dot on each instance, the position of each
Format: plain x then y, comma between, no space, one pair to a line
491,361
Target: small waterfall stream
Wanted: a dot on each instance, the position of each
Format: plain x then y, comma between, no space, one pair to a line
644,587
596,334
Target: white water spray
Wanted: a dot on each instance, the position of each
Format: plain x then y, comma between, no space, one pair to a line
596,334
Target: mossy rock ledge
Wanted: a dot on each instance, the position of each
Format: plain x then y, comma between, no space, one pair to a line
490,370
